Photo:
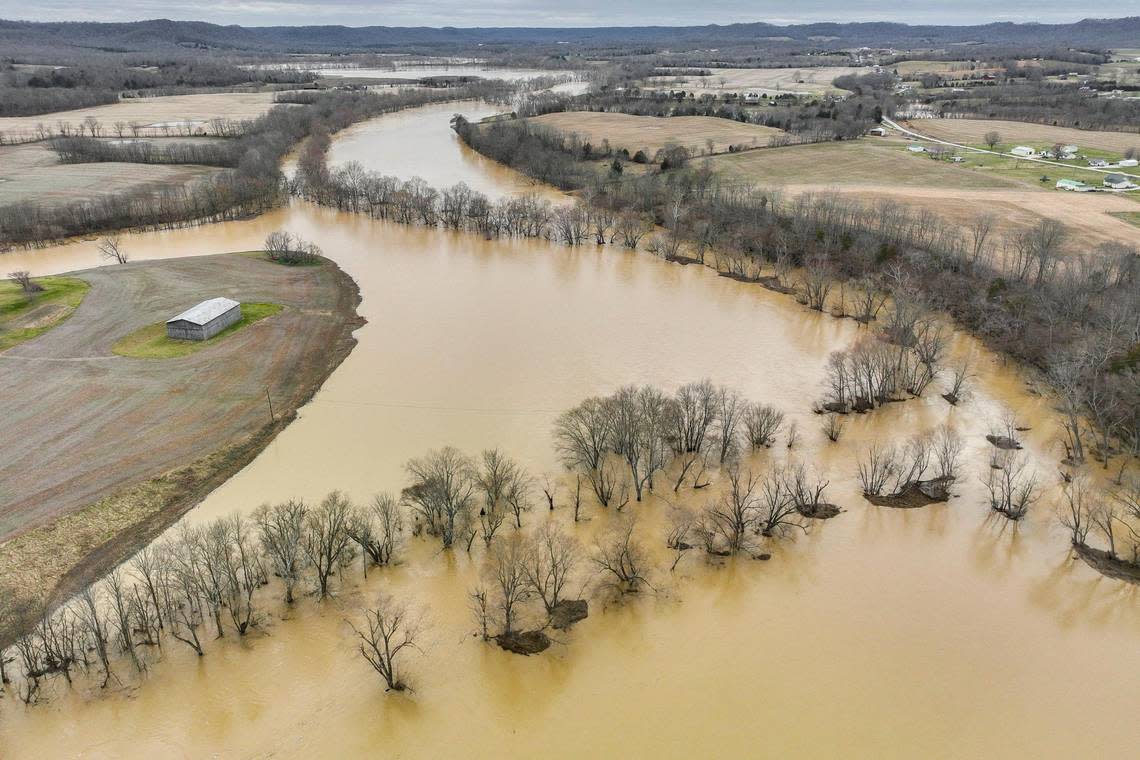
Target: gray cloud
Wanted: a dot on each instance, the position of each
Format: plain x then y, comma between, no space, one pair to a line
561,13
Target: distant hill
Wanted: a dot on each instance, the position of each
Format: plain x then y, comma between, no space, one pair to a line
160,33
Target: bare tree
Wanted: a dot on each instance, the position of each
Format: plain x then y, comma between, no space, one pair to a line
877,468
991,139
90,613
281,530
326,538
548,562
832,427
388,630
442,492
111,248
375,529
777,514
506,573
724,525
730,413
24,281
1012,486
762,423
620,557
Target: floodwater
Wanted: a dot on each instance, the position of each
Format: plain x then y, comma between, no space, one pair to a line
414,72
939,632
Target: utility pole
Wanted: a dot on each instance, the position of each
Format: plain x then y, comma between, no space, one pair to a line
270,400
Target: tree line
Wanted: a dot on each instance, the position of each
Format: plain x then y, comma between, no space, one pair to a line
218,579
82,80
253,183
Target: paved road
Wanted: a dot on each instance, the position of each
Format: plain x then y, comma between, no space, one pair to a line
919,136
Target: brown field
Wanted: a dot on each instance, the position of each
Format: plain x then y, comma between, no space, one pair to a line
972,132
943,68
652,133
874,171
111,448
807,81
32,173
197,109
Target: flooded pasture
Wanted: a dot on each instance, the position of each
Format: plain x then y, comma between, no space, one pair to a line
937,632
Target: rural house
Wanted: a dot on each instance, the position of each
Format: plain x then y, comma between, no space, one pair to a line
1074,185
1117,181
205,320
1023,151
877,132
1098,162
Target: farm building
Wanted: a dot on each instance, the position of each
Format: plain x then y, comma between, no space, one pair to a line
751,97
877,132
1023,151
1117,181
1074,185
1127,162
916,148
205,320
1097,162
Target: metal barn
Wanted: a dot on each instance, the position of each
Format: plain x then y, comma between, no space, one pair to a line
205,320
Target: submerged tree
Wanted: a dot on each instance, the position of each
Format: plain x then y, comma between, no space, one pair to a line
388,630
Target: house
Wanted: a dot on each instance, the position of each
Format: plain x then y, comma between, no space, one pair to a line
751,97
1098,163
1127,162
205,320
957,159
1023,151
1075,186
1117,181
916,149
877,132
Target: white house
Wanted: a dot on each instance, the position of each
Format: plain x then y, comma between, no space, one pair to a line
1117,181
1023,151
1098,162
916,149
1073,185
877,132
1127,162
751,97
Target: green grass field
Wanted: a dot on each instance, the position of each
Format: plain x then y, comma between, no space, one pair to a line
1031,171
870,161
151,342
23,316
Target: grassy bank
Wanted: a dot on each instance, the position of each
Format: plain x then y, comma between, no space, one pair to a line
151,342
23,316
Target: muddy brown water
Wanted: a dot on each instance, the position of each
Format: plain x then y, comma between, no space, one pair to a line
937,632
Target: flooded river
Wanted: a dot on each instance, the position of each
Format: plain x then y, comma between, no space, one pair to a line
939,632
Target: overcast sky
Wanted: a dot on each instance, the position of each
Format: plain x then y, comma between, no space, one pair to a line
564,12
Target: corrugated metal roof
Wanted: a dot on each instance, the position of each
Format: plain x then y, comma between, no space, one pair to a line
205,311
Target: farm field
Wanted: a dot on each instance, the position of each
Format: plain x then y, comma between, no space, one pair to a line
654,132
98,425
808,81
874,161
33,173
972,132
152,113
884,171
